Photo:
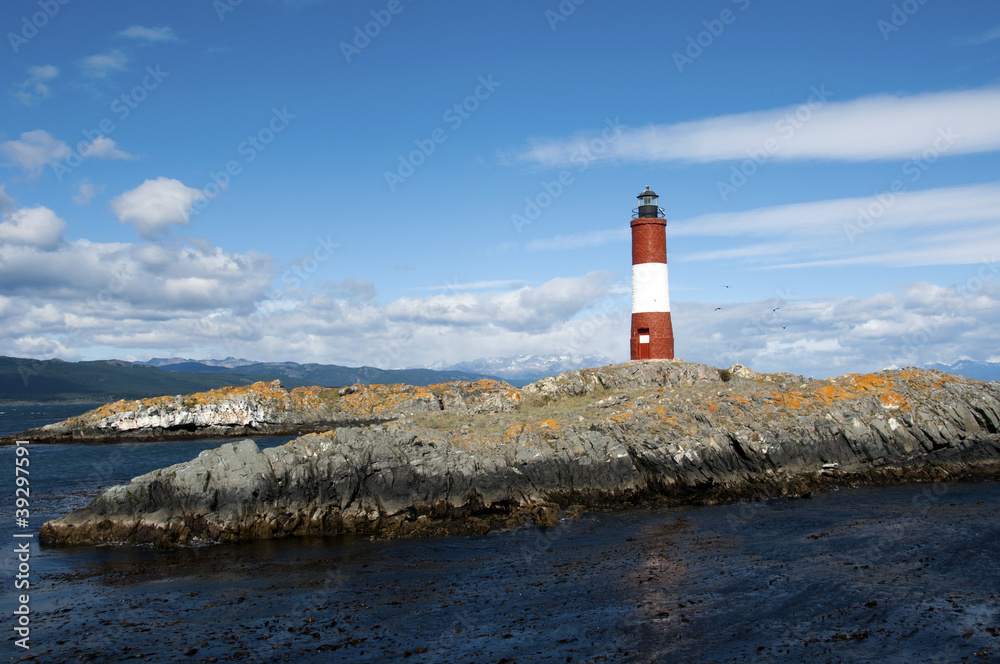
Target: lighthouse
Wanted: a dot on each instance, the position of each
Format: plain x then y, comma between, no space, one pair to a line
652,336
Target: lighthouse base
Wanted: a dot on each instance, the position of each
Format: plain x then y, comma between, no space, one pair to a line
652,336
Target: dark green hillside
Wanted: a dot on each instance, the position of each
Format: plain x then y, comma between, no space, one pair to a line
332,375
52,381
45,381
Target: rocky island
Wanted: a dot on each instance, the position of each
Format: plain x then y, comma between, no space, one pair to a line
464,458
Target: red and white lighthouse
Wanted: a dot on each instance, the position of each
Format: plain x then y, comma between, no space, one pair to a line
652,335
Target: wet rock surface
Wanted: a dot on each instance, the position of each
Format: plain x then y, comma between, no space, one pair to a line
638,433
895,575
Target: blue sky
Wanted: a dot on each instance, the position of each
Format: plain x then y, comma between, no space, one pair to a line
266,180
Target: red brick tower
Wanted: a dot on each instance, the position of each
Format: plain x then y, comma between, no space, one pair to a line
652,333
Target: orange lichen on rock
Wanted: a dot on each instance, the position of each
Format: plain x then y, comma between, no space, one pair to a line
519,432
551,424
791,399
373,399
881,387
857,386
621,417
660,413
827,394
928,380
310,397
485,385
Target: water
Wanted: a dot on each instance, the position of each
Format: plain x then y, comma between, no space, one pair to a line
15,419
900,574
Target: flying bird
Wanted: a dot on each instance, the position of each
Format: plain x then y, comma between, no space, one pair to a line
718,308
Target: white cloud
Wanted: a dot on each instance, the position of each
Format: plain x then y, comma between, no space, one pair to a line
102,64
126,284
37,227
530,308
105,148
879,127
947,226
86,191
156,204
35,87
34,150
151,35
919,324
151,299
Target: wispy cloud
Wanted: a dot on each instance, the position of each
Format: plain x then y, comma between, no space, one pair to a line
580,240
102,64
35,87
149,35
475,285
86,191
947,226
951,205
872,128
34,150
982,37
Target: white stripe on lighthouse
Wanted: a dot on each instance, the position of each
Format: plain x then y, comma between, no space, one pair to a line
649,288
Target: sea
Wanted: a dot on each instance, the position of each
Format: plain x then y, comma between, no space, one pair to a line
884,574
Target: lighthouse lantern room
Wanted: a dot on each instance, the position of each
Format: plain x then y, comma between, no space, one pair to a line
652,336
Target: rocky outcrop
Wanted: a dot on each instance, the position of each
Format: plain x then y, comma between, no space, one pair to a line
642,432
267,408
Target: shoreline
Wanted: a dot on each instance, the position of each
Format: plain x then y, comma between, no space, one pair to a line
83,402
543,514
178,435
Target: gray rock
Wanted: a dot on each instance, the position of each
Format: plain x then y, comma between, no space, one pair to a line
678,441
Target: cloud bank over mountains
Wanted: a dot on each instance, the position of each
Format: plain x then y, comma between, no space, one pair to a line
137,299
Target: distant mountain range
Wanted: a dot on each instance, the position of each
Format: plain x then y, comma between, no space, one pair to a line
517,370
523,369
987,371
228,363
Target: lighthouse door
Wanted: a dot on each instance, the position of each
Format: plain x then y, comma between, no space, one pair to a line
643,343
